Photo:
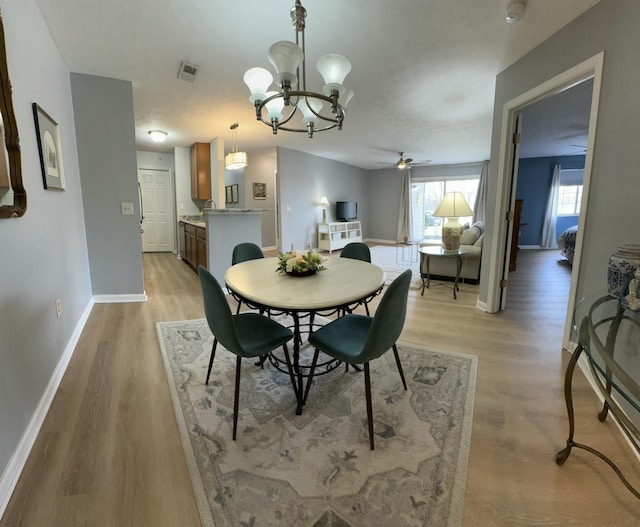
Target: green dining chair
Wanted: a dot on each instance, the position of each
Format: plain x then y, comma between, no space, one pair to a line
358,251
359,339
246,335
244,252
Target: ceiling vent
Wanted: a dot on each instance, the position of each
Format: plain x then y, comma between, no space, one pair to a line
188,71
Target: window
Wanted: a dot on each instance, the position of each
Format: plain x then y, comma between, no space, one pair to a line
427,195
569,198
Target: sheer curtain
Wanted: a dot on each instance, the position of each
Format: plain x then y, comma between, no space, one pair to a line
480,206
548,238
404,216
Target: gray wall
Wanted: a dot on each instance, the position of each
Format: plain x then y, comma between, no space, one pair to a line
612,26
155,160
261,169
303,179
103,110
44,253
383,189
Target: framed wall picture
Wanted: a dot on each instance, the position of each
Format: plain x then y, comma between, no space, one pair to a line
227,192
48,135
259,191
234,194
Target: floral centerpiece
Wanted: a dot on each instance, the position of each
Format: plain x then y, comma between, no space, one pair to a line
300,264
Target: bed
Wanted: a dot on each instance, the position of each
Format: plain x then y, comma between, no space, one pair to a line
567,243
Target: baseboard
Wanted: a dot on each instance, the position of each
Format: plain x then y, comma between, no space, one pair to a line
376,240
482,306
10,476
117,299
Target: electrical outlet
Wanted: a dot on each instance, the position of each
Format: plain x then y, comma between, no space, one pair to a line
58,307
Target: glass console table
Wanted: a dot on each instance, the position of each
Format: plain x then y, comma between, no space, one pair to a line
609,334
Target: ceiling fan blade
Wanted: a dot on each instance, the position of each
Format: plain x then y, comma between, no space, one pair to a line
408,160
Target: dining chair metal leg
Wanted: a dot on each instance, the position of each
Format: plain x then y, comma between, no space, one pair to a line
213,354
399,365
311,372
236,396
297,389
367,389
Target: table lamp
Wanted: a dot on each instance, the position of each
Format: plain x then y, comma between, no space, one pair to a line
452,207
324,203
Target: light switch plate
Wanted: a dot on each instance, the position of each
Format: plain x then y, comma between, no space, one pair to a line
127,208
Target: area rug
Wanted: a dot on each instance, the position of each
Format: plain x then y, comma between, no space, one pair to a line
316,469
395,259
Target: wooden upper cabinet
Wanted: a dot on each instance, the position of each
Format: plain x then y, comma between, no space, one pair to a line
200,171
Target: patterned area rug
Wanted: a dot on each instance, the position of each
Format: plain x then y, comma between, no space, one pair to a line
316,469
394,259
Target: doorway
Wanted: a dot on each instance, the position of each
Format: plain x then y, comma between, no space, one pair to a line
503,225
158,233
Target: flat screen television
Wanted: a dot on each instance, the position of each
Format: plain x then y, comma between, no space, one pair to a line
346,210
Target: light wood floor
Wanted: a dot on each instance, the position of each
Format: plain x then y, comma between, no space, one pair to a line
109,453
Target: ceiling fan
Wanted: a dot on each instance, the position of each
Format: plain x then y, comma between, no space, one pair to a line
404,163
583,150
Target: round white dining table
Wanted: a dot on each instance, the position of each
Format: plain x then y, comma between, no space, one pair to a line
344,283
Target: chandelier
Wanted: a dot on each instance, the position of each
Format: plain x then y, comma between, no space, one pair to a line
288,59
235,160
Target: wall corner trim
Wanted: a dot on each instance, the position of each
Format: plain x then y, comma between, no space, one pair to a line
115,299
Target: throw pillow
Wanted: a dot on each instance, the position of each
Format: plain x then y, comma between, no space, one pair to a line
470,236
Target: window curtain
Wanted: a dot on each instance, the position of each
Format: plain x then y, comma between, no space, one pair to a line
480,206
548,238
405,227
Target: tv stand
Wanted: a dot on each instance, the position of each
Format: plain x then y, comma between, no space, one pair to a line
335,235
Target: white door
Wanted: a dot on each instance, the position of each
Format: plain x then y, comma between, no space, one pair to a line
155,190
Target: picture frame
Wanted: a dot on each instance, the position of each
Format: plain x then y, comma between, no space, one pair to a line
234,194
227,191
259,191
48,135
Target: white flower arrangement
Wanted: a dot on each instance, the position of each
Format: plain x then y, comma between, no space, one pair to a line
293,262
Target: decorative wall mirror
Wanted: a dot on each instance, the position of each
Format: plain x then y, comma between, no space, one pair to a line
13,197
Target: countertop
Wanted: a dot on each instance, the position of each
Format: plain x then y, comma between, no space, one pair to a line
199,221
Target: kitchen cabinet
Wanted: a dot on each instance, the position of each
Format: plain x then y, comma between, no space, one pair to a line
201,171
195,246
201,247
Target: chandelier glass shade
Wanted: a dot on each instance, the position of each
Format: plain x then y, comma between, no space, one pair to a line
235,160
278,108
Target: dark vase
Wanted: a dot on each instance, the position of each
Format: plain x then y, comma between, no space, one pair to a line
302,273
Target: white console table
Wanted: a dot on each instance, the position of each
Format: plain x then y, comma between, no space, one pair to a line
335,235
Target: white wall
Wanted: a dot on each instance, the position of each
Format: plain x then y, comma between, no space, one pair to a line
44,253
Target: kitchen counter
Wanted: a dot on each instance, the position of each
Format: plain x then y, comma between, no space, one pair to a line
197,221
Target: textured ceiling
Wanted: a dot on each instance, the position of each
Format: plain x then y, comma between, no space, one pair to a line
423,70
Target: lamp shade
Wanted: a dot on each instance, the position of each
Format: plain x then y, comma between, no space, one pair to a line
333,68
286,57
235,160
275,106
453,205
305,105
324,202
258,80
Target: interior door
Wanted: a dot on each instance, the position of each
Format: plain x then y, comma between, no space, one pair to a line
157,228
514,157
